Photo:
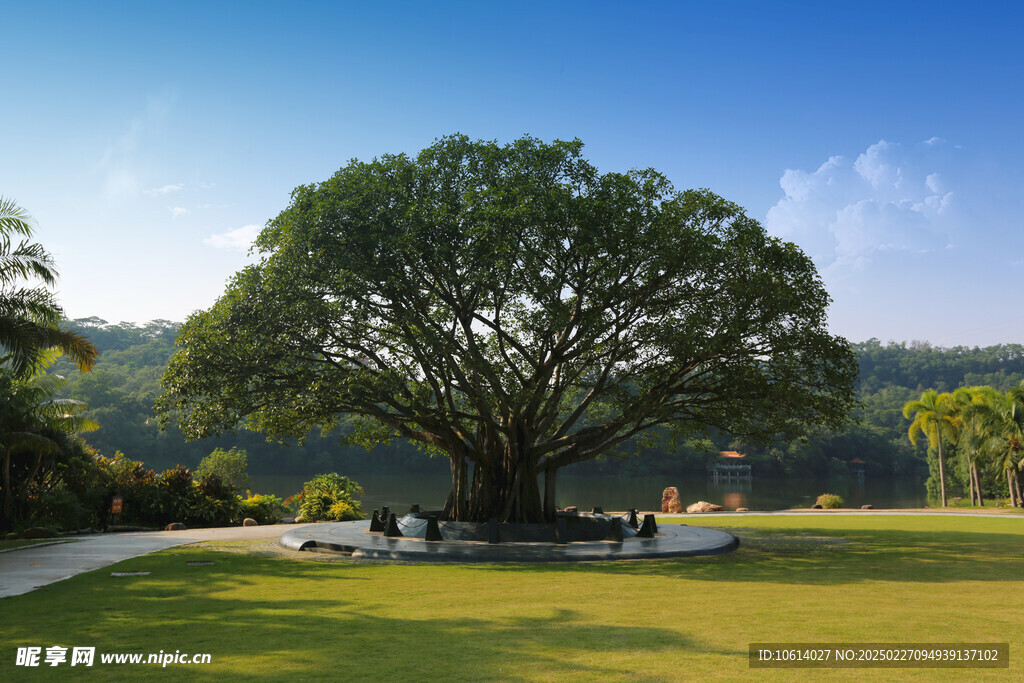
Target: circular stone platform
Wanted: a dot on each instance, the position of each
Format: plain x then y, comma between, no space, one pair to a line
672,540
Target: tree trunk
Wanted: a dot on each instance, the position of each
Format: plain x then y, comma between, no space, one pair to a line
504,483
8,508
970,480
1009,486
456,507
550,507
1016,485
977,483
942,474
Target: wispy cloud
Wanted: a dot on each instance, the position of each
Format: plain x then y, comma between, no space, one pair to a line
122,163
240,238
165,189
178,211
890,198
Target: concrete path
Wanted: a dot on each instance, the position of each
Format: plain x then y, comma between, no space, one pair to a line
25,569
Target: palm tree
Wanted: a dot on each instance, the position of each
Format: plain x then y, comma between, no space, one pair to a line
935,416
1004,422
29,315
32,424
972,404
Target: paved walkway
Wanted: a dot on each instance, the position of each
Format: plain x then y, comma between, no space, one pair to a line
25,569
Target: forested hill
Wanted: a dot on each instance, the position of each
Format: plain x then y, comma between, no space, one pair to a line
920,366
126,381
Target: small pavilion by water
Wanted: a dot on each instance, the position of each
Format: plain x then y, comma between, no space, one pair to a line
730,465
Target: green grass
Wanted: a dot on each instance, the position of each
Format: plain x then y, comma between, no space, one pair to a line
795,579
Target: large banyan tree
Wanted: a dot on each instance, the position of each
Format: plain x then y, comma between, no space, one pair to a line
517,311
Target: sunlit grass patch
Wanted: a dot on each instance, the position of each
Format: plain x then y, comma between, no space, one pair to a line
793,579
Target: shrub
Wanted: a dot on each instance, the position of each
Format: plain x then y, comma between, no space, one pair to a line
320,497
136,485
230,466
265,509
178,495
830,501
342,511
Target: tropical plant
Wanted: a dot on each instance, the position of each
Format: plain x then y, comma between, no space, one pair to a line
264,508
1003,420
30,316
34,426
330,496
971,404
935,416
829,501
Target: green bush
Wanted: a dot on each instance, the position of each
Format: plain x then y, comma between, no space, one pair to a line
136,485
231,467
830,501
265,509
320,498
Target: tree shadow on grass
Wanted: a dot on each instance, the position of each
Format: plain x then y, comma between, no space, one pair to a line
830,557
273,627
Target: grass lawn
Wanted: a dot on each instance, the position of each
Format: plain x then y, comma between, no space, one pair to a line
843,579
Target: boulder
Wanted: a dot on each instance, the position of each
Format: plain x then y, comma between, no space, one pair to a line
867,507
38,532
670,502
742,509
286,520
703,506
175,526
249,521
817,506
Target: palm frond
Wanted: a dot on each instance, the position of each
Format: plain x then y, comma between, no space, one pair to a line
14,219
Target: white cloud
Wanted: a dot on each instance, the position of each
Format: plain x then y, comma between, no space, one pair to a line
239,238
891,198
165,189
178,211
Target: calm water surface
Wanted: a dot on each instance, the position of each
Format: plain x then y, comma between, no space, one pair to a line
622,493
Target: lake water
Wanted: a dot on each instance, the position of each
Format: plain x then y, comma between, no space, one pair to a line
621,493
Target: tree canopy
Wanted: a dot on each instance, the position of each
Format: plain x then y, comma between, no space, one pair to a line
517,311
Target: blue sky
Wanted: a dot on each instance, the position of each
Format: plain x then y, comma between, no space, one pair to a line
150,141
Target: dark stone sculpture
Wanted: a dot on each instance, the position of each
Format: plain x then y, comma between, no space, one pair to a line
433,530
392,529
376,523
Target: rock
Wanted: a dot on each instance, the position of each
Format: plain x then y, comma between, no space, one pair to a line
817,506
175,526
742,509
572,509
299,519
38,532
249,521
670,502
703,506
867,507
286,520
